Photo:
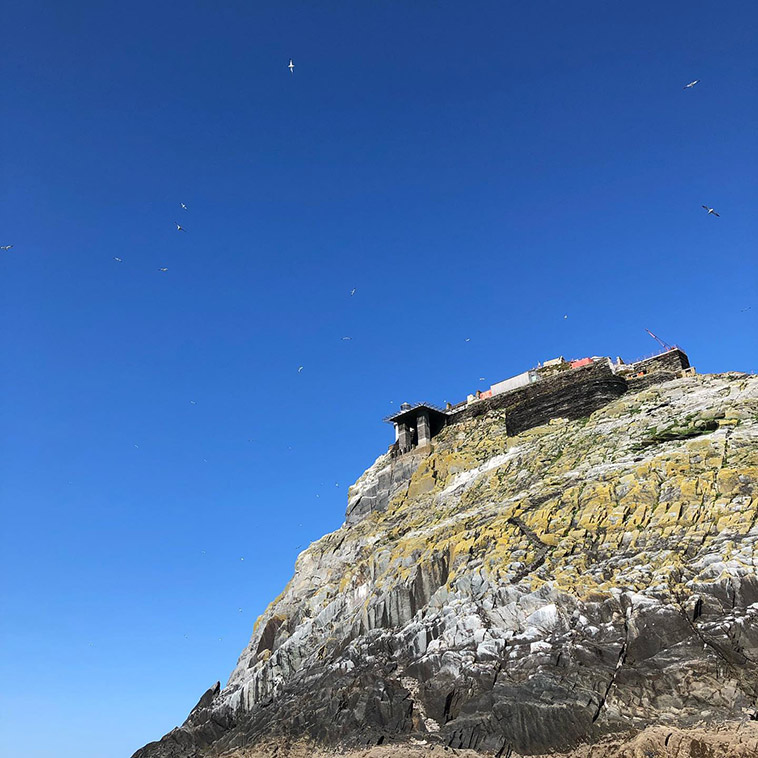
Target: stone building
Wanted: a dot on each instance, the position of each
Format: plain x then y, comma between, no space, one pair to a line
415,425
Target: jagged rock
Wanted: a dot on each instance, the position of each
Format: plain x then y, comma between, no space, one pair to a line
528,593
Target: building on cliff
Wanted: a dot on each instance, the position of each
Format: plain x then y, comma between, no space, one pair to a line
557,388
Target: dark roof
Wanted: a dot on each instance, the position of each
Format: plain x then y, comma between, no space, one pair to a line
411,412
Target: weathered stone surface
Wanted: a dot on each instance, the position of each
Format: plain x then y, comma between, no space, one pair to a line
528,593
738,741
381,483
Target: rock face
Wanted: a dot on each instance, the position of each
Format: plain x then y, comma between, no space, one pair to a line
527,593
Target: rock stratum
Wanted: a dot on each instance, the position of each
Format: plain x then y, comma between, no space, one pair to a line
586,587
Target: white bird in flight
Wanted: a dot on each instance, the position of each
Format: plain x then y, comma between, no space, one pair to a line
347,338
352,292
710,211
184,207
118,260
299,369
291,67
691,84
163,269
6,247
179,227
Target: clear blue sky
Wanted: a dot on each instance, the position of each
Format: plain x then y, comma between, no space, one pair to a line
475,170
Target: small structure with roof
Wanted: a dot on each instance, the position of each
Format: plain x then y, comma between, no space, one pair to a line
415,425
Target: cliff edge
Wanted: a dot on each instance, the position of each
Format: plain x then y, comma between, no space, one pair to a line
579,583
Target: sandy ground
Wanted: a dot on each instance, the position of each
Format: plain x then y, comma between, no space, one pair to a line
733,741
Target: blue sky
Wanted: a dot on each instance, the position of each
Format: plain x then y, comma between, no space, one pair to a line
475,170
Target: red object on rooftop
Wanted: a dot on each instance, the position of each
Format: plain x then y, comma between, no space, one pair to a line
581,362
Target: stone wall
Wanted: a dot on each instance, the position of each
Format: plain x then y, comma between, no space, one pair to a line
655,370
672,360
571,394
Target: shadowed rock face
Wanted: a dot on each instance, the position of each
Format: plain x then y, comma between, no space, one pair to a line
530,592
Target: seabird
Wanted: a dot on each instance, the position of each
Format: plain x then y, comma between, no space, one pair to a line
352,292
347,338
691,84
710,210
183,206
118,260
299,369
8,247
163,269
179,227
291,67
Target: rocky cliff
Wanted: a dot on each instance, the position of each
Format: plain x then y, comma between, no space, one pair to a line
579,582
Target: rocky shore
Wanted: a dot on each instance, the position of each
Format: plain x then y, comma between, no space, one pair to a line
586,588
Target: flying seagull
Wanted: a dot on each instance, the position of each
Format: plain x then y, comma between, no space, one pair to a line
291,67
299,369
184,207
691,84
179,227
118,260
352,292
710,211
347,338
162,269
8,247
